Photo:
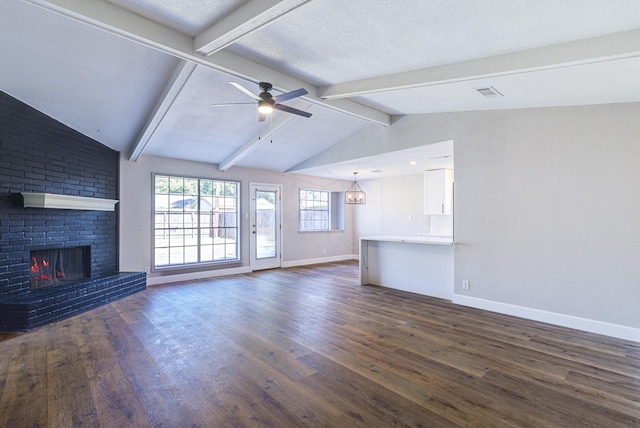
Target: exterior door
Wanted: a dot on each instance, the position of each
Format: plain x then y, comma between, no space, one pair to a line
266,226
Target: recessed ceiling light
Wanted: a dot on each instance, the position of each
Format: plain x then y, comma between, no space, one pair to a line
413,163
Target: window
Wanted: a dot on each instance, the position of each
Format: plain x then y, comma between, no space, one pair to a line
196,221
321,210
314,210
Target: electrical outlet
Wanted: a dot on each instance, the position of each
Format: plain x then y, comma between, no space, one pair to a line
146,269
465,285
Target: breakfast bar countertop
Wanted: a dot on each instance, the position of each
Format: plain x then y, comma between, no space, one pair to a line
415,239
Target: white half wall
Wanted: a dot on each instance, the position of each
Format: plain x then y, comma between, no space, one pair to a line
135,209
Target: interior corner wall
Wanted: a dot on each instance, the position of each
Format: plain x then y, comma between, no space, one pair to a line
297,248
547,203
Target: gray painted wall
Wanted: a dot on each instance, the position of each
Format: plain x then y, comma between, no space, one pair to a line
548,210
547,204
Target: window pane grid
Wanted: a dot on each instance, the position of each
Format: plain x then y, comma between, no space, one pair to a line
314,210
195,221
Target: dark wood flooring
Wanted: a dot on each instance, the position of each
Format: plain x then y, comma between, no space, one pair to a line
310,347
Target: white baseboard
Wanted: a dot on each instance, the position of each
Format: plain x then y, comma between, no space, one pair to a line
592,326
342,258
156,280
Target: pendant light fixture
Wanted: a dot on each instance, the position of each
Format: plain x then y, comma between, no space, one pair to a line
354,194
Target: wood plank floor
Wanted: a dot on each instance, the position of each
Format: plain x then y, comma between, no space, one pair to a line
310,347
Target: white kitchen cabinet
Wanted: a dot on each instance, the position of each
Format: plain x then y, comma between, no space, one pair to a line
438,186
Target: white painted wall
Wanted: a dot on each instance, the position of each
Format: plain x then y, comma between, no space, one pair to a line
416,267
547,209
298,248
395,206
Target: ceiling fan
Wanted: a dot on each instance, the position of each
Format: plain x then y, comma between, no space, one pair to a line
267,102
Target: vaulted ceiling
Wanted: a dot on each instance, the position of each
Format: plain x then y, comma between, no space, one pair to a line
143,76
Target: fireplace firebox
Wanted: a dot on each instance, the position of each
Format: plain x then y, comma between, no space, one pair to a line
52,267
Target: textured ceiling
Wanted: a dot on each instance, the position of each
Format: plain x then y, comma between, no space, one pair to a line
187,16
142,76
335,41
96,83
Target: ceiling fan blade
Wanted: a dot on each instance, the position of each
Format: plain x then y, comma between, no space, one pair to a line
245,90
291,95
291,110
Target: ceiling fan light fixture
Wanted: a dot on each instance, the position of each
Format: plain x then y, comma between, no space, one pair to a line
354,194
267,103
265,107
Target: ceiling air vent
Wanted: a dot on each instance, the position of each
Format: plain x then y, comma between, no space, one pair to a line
489,92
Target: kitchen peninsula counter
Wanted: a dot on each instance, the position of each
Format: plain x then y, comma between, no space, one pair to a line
419,264
416,239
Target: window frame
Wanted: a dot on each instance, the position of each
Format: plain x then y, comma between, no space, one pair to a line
324,197
335,211
199,228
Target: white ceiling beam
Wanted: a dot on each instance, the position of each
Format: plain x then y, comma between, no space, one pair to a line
176,82
256,140
248,18
121,22
597,49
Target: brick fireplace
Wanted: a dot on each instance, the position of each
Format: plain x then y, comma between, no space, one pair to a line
40,154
